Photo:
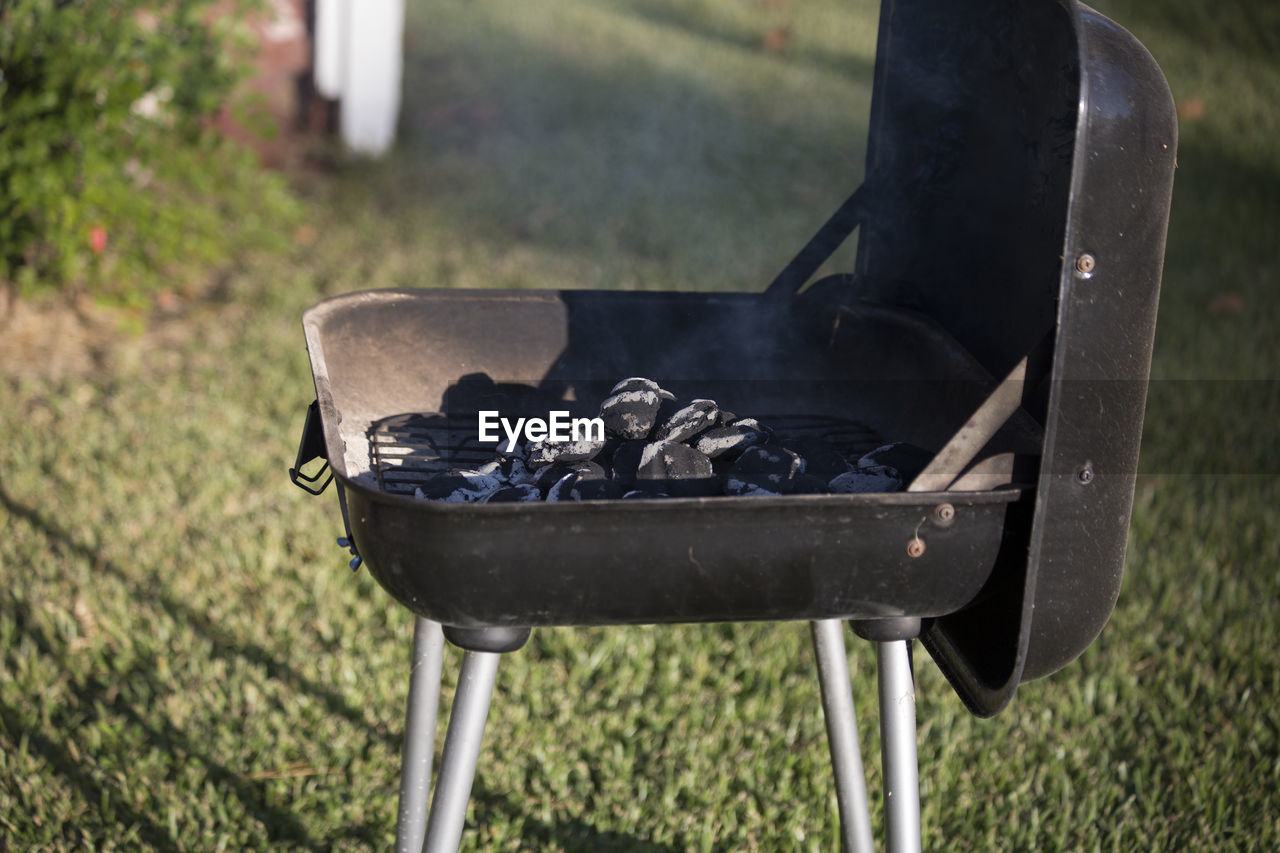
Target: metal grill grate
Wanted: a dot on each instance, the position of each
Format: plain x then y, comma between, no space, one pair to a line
844,435
406,450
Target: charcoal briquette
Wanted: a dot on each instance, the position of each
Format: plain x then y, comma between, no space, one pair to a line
728,440
604,458
543,453
625,462
906,459
873,478
562,489
675,468
752,423
551,474
667,407
807,484
750,486
515,472
458,487
630,414
587,482
589,489
688,421
771,460
820,458
639,383
548,476
493,467
523,493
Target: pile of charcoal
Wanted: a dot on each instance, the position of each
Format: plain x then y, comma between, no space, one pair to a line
657,446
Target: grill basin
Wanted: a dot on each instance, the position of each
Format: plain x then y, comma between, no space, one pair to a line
387,357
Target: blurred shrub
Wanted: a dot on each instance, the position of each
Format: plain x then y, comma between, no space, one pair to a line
111,177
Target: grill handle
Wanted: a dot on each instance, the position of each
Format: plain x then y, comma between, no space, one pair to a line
311,447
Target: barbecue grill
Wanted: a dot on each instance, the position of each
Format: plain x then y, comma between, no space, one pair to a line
1000,313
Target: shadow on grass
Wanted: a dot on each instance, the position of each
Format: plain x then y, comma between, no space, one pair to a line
149,831
224,644
1244,27
1225,207
685,17
575,836
93,693
95,698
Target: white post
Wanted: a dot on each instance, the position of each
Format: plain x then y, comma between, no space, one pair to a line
330,47
359,61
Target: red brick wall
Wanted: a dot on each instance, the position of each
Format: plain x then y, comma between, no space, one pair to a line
267,114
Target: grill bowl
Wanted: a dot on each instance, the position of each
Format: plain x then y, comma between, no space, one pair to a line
381,354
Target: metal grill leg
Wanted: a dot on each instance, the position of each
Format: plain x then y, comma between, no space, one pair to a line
419,734
898,748
842,735
461,751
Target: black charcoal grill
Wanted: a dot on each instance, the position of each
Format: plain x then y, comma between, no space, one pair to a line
1000,313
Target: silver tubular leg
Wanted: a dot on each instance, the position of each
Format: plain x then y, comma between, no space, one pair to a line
419,734
842,735
461,751
898,748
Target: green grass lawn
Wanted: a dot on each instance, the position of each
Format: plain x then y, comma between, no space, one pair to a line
186,663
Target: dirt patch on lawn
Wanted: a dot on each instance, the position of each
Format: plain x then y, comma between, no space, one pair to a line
54,339
62,338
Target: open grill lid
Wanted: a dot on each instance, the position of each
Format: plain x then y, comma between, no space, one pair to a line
1020,172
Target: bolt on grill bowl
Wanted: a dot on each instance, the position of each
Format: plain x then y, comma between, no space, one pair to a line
1000,313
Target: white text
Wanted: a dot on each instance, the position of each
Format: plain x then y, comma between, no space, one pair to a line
557,427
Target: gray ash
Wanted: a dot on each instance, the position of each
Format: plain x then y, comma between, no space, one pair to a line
657,446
